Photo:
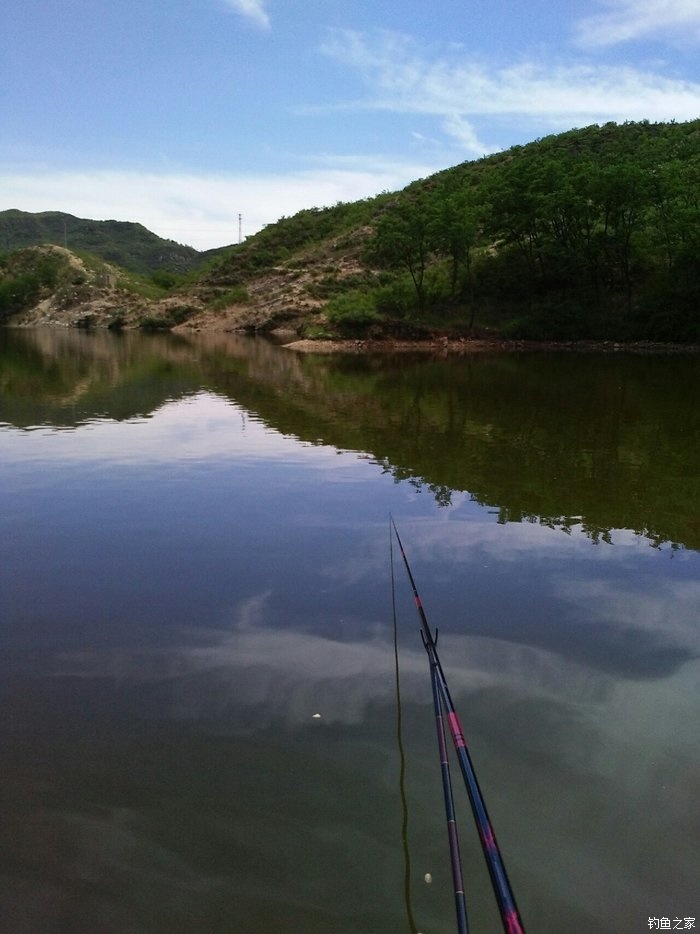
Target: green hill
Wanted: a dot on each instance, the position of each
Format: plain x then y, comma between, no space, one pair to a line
590,234
126,244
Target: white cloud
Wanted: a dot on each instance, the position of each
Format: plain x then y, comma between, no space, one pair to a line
625,20
253,10
666,611
402,78
202,210
461,130
289,674
199,428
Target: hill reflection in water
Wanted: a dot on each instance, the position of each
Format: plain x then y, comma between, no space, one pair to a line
601,441
194,561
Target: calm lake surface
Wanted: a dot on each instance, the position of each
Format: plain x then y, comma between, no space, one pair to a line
194,561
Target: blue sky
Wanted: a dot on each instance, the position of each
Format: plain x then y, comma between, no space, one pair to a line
183,115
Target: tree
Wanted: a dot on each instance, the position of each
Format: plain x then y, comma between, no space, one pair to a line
457,221
404,240
623,198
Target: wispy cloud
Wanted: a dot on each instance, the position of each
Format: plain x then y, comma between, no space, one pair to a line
253,10
625,20
201,209
404,78
286,674
665,613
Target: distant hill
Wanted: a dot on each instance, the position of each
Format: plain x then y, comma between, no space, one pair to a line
129,245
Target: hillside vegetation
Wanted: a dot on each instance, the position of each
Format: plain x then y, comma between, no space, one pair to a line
593,234
590,234
122,243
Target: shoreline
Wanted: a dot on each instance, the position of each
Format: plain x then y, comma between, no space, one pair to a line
445,346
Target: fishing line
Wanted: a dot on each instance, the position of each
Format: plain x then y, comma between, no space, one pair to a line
402,756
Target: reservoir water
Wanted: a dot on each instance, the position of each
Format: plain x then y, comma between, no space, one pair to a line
195,565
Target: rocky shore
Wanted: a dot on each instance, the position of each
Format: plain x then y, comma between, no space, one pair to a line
444,345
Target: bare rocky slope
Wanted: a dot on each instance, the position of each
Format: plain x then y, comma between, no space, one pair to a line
290,295
70,291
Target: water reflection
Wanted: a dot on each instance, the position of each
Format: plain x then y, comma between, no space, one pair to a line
194,561
284,676
607,442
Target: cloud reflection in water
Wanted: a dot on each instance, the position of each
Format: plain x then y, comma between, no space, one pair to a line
251,676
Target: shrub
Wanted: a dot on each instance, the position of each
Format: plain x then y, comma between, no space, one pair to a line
396,298
165,279
168,319
238,295
352,312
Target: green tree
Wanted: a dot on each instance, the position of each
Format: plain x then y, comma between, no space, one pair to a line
623,198
456,226
404,239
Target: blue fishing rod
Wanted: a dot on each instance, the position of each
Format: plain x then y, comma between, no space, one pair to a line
452,835
510,916
455,857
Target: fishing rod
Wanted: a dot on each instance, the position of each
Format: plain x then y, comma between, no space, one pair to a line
455,857
453,837
510,916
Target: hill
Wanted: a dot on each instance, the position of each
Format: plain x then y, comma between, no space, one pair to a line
589,234
593,234
50,285
122,243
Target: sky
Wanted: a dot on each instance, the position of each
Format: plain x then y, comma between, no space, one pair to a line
188,115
